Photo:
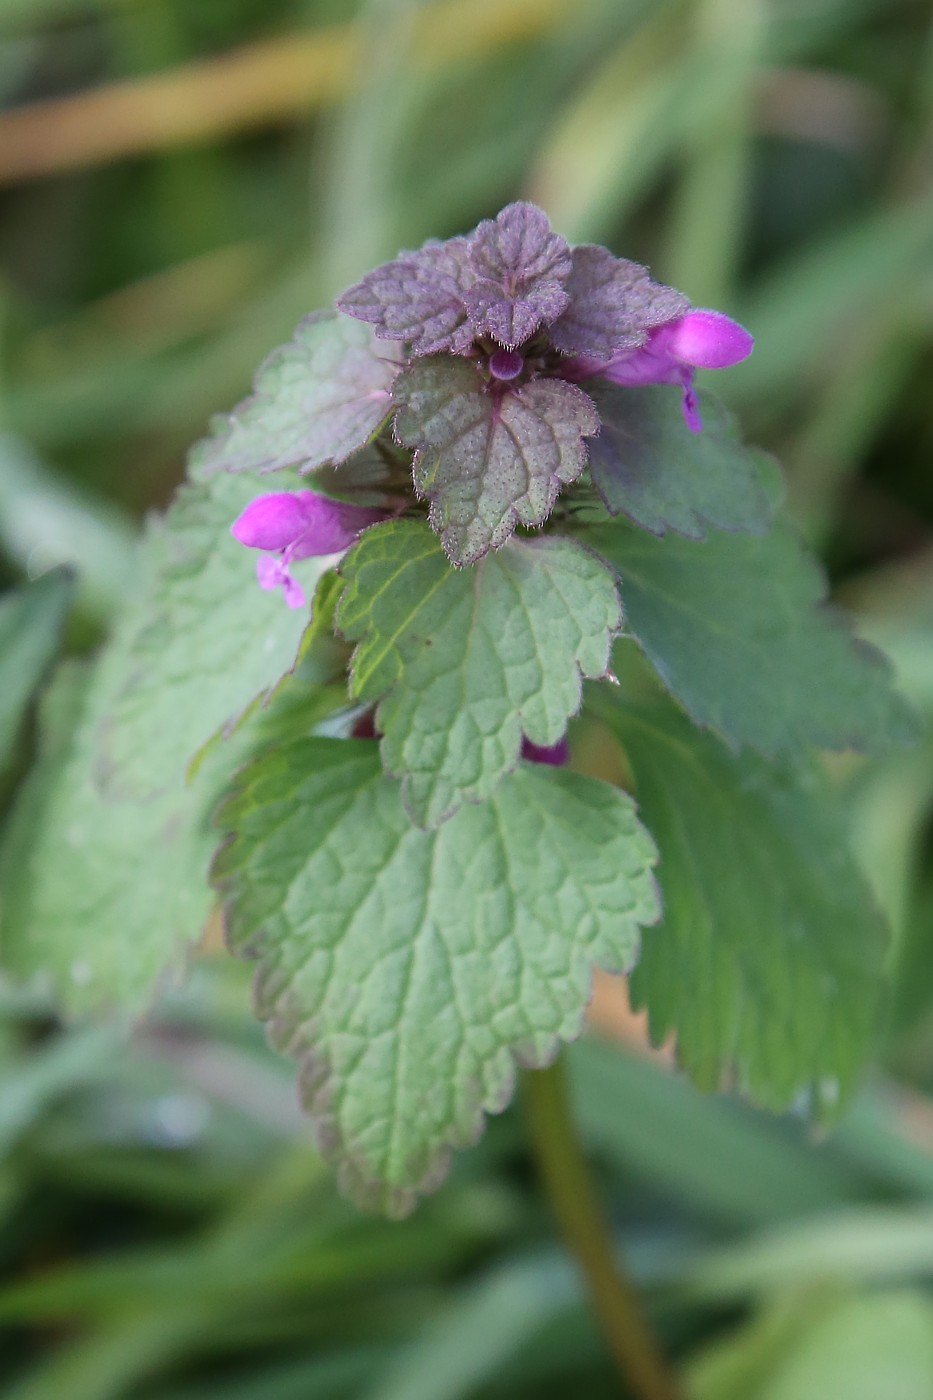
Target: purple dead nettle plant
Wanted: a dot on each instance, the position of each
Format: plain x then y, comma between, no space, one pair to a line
527,320
426,907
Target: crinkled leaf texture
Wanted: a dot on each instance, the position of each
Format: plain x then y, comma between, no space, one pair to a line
504,280
489,459
420,298
466,661
31,622
613,305
409,971
205,645
646,465
318,399
768,965
521,268
734,627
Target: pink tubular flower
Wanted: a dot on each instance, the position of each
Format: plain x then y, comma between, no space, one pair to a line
673,353
290,525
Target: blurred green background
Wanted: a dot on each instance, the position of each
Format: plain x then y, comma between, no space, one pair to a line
180,180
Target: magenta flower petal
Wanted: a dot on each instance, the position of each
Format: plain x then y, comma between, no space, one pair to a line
651,364
691,407
708,340
301,524
290,525
269,571
556,755
274,521
672,354
272,574
292,592
330,527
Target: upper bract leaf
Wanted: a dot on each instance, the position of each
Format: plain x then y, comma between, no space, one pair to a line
318,399
613,305
486,457
466,661
732,624
521,267
768,963
646,465
408,970
420,297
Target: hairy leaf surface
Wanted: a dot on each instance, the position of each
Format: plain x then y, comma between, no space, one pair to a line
409,971
613,305
646,465
489,460
735,629
521,268
318,399
768,964
466,661
419,298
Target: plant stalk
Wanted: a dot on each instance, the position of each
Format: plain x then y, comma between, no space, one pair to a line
573,1200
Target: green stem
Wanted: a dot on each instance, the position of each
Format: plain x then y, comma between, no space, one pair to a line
573,1200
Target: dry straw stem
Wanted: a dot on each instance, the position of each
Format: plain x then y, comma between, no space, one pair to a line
251,87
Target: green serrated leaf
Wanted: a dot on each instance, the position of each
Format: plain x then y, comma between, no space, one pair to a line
648,466
466,661
768,965
314,688
488,461
733,627
206,645
98,899
318,399
31,622
408,970
103,890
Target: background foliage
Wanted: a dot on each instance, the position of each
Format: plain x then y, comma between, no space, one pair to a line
178,183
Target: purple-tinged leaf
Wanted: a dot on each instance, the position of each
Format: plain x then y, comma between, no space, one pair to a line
318,399
418,298
521,268
489,458
613,305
